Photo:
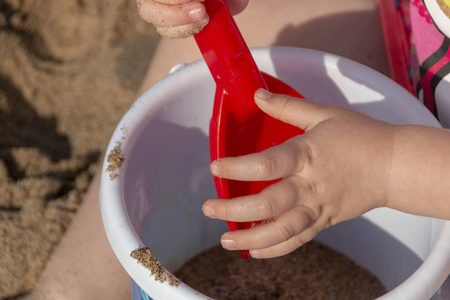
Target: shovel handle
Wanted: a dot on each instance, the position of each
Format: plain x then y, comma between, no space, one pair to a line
229,60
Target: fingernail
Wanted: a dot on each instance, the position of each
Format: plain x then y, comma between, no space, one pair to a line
255,253
228,244
214,168
204,21
208,211
263,94
196,13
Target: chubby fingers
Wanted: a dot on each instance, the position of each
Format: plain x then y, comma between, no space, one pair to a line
271,202
276,237
174,18
290,222
273,163
289,245
298,112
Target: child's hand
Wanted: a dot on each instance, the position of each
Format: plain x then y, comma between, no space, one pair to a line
180,18
337,170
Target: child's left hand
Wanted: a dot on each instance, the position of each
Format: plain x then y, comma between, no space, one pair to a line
337,170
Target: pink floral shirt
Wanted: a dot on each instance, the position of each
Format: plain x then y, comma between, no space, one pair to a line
419,52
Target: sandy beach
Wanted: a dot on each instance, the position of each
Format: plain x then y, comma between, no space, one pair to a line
68,72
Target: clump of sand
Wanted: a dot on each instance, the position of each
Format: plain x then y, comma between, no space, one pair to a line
69,71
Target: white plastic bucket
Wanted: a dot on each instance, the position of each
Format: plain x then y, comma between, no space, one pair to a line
164,179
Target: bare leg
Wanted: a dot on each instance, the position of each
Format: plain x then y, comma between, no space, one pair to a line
84,266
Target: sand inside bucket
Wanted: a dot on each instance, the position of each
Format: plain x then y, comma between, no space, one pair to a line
313,271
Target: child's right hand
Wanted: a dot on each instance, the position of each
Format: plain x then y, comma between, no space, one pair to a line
338,170
180,18
345,164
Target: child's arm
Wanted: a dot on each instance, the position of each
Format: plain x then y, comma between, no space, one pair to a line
345,164
180,18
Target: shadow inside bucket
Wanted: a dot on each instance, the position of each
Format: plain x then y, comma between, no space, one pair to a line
167,193
374,249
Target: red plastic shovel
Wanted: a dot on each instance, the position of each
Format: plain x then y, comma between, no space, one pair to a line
238,126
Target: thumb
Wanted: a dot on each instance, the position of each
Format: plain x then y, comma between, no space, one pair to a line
295,111
237,6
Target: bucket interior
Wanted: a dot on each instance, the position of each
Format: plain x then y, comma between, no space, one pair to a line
167,179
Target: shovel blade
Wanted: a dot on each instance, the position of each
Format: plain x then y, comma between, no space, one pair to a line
230,137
